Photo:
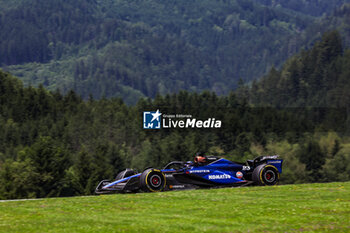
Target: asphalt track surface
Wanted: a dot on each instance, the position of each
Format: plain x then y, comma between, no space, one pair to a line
38,199
20,200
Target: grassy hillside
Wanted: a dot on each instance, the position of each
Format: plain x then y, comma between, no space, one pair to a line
288,208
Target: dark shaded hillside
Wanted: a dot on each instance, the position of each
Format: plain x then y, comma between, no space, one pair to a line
31,31
140,48
339,19
318,77
310,7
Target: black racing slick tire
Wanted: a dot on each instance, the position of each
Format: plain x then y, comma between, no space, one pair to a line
152,180
266,174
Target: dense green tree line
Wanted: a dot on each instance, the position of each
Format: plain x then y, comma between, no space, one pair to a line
319,77
57,145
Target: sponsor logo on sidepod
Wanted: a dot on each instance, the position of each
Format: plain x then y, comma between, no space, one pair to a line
199,171
219,177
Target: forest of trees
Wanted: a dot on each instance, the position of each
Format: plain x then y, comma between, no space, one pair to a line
54,144
134,49
312,7
318,77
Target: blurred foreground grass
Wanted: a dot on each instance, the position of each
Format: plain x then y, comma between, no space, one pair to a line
287,208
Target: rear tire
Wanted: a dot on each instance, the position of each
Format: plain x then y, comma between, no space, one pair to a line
152,180
266,174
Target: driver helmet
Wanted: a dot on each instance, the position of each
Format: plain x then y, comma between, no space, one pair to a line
200,158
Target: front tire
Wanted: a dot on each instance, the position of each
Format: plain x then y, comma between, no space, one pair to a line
152,180
266,174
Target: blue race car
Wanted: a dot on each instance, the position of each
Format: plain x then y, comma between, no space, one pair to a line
203,172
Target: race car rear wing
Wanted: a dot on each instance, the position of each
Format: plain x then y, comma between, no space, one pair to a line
268,159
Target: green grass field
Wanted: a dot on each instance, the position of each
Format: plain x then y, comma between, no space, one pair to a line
285,208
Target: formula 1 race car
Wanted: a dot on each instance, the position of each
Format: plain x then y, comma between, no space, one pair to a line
203,172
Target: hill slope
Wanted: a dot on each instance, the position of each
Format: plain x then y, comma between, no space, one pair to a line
308,207
310,7
318,77
140,48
